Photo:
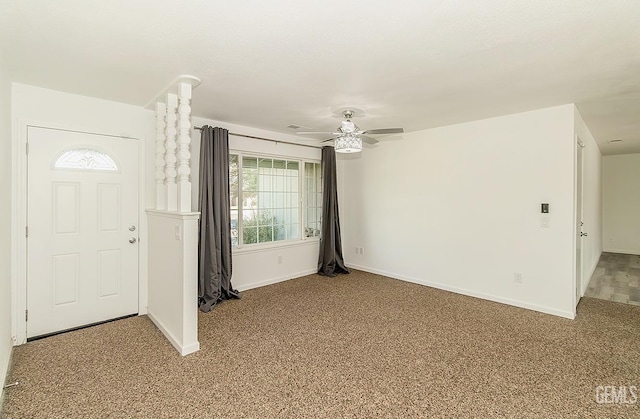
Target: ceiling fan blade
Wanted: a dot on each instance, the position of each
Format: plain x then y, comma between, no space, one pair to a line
369,140
384,131
330,139
317,132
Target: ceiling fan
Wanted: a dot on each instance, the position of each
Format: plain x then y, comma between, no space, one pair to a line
348,137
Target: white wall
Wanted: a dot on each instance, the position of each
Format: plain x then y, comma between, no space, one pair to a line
621,203
36,105
5,225
591,201
458,208
258,267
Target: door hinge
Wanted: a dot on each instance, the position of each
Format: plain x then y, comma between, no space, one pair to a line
26,232
27,148
26,315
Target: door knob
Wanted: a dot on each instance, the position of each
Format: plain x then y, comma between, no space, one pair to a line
132,240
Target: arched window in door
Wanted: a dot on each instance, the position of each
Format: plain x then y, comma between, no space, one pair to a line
85,159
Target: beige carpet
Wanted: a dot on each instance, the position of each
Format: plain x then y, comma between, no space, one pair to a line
359,345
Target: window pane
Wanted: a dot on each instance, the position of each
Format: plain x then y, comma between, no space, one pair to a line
249,216
292,231
308,169
249,163
264,181
280,167
265,218
265,234
234,227
265,163
85,159
279,200
250,200
250,235
293,215
313,199
270,198
233,182
249,179
279,216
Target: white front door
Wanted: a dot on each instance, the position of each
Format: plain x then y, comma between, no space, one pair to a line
82,245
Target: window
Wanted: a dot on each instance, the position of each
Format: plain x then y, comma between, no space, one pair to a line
85,159
234,197
313,198
267,202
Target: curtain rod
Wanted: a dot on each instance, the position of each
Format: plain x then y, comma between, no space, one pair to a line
266,139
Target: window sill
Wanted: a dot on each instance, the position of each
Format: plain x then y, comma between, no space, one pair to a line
273,246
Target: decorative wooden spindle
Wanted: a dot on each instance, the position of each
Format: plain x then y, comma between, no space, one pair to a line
170,157
184,153
161,194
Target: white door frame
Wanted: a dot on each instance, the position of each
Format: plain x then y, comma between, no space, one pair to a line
19,220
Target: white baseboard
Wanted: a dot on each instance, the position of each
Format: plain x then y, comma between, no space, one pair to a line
4,373
470,293
623,251
183,349
189,349
271,281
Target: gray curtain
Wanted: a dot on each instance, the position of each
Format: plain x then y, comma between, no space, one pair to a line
214,246
330,260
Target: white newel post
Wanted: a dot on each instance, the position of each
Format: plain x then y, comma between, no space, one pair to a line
184,153
161,192
171,159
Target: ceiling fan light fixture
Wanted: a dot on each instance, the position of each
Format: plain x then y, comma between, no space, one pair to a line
348,144
347,126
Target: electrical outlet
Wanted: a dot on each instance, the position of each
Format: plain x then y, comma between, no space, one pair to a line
517,278
279,259
545,222
362,250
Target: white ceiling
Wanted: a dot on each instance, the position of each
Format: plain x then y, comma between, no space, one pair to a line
415,64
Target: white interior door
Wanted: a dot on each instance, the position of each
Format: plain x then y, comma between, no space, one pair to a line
82,245
580,223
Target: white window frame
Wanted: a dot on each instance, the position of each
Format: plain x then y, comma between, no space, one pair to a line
301,239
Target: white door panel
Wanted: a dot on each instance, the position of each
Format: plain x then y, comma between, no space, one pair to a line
81,266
